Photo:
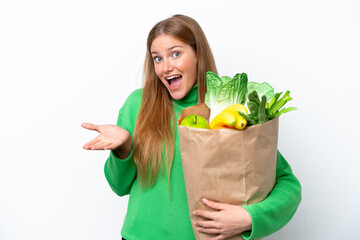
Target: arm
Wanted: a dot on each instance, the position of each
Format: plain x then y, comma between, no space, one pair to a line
119,169
120,173
256,220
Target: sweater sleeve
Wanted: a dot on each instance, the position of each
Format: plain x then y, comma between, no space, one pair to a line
278,208
121,173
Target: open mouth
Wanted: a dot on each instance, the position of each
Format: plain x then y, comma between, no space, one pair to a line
174,81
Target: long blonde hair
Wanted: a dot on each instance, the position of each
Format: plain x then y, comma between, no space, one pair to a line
154,134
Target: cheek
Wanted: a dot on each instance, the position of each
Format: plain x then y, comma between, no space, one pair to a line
189,65
158,71
192,67
179,64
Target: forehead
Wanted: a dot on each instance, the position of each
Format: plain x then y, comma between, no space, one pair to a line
164,42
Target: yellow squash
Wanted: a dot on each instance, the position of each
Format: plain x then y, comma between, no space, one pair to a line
230,118
223,120
236,107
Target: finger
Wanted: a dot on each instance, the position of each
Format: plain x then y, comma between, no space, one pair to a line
206,224
91,126
208,230
91,144
100,145
205,214
108,147
214,205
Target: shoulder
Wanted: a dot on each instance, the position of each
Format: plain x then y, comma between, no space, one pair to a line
132,103
134,98
136,93
129,111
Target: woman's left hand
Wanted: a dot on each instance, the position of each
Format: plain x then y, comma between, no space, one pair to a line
228,221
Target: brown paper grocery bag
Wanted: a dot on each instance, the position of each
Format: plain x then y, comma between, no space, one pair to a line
228,166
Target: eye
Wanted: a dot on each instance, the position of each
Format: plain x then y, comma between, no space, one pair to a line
157,59
176,54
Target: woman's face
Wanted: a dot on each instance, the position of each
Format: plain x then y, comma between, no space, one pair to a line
175,64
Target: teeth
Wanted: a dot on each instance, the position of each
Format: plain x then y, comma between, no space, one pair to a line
172,77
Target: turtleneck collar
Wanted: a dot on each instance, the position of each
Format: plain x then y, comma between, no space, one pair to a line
190,99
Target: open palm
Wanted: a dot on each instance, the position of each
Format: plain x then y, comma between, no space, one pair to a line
111,137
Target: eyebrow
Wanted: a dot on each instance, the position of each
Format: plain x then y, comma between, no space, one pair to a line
169,49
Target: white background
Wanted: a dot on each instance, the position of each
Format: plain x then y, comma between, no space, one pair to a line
72,61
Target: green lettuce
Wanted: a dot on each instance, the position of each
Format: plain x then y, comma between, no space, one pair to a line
225,91
261,89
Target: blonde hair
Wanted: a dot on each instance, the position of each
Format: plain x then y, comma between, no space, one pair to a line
155,130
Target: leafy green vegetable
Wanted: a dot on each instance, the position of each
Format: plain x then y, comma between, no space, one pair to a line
254,97
242,81
284,110
273,100
223,92
275,106
213,84
261,89
258,113
262,111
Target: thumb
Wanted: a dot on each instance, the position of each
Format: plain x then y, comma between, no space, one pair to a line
91,126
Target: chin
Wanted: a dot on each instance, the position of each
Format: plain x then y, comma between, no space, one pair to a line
177,95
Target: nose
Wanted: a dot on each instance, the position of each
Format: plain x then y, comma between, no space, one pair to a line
168,66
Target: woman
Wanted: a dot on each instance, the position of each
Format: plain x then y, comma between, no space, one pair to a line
145,159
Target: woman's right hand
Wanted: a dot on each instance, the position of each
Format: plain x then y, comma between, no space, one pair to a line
111,137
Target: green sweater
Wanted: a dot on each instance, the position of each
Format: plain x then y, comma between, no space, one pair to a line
153,214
